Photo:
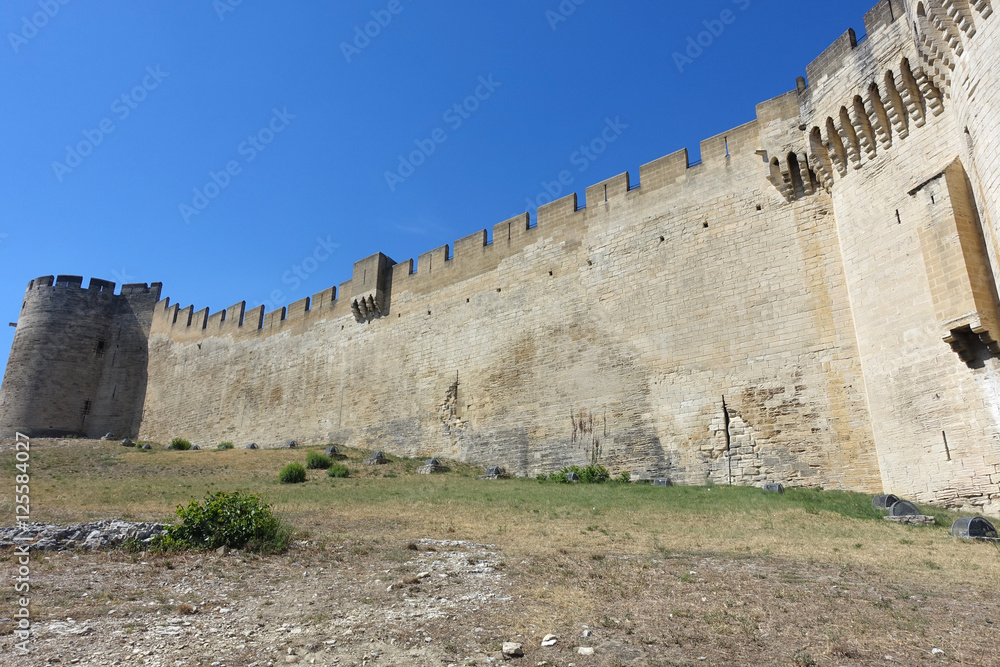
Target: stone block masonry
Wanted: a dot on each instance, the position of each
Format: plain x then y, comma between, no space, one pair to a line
814,303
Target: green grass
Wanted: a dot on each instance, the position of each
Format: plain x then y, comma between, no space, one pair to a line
76,482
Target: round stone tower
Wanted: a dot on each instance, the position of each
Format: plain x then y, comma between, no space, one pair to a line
78,362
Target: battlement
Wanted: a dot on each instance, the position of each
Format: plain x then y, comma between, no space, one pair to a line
95,285
861,96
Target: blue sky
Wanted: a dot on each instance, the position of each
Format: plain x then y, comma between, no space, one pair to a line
221,146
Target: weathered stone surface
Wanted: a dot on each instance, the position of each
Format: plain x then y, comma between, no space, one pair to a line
376,458
512,650
96,535
811,302
912,519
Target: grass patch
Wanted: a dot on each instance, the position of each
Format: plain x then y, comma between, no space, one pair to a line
226,445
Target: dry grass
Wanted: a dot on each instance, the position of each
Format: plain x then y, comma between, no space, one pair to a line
808,577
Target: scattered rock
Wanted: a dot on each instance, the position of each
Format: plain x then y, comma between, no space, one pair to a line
332,452
108,436
223,550
291,444
912,519
252,445
376,459
549,640
585,650
126,442
512,650
431,466
586,633
774,488
662,481
937,651
147,446
195,447
98,535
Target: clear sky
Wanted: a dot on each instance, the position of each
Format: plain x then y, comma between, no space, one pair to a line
255,149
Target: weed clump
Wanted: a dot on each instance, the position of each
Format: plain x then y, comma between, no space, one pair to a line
226,445
293,473
338,470
180,444
317,461
237,520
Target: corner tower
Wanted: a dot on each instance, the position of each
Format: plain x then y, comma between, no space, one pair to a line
78,362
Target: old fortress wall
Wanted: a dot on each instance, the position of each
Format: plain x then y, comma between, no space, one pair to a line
813,303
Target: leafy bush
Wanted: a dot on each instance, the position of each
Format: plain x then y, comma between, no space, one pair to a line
624,478
180,444
595,474
236,520
317,461
592,474
338,470
226,445
293,473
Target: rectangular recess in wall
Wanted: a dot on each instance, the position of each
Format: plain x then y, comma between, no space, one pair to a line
958,270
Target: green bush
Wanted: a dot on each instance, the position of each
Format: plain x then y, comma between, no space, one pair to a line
338,470
595,474
317,461
236,520
592,474
293,473
225,445
180,444
624,478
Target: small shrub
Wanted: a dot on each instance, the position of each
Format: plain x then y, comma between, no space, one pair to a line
594,474
180,444
541,477
293,473
624,478
338,470
317,461
226,445
236,520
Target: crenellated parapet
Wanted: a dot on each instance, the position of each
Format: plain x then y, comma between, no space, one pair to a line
865,95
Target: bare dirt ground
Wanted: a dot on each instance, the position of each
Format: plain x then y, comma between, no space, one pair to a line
384,588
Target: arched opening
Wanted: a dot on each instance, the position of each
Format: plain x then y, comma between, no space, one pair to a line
884,128
795,173
839,155
851,134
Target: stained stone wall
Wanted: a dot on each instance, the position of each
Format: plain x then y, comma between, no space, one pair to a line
814,303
